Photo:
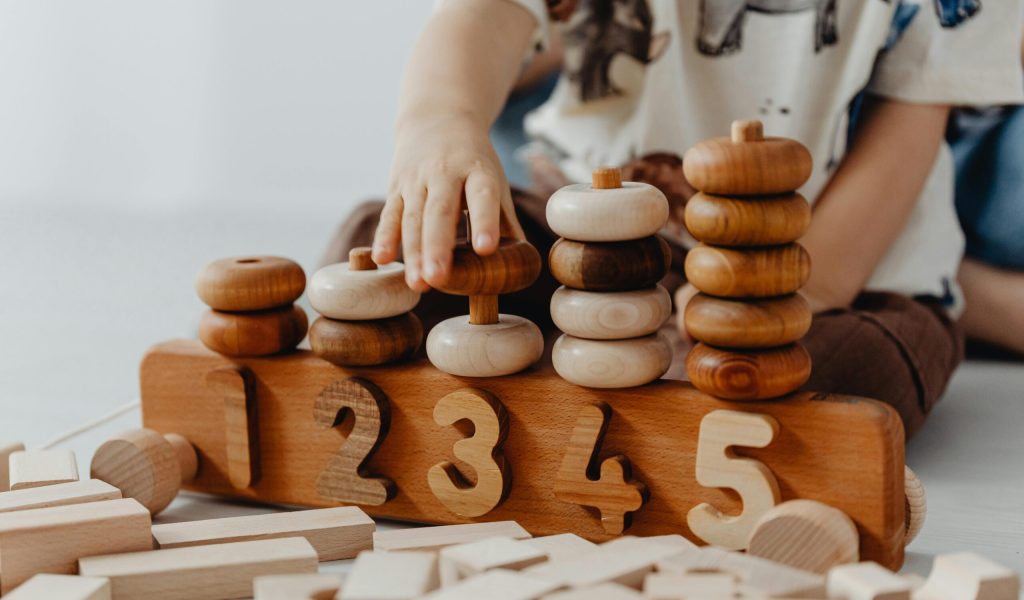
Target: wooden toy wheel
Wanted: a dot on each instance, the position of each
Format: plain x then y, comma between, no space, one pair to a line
916,505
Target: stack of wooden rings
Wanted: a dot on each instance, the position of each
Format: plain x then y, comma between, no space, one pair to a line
749,267
251,305
609,262
486,343
365,312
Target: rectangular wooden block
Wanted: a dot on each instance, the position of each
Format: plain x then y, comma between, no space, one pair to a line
466,560
625,561
672,586
60,494
867,581
313,586
6,450
561,546
841,450
214,572
759,574
605,591
391,576
35,468
435,538
51,540
335,533
499,584
62,587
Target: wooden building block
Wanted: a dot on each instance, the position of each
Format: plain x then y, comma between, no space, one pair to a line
36,468
867,581
756,573
674,586
466,560
6,450
604,591
561,546
390,576
62,587
435,538
805,534
968,576
498,584
655,425
625,561
215,572
51,540
312,586
335,533
60,494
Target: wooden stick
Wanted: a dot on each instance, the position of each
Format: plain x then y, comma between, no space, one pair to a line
62,587
361,259
606,178
435,538
483,310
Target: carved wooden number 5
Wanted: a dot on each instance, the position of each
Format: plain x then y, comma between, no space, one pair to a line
606,485
719,466
344,479
482,451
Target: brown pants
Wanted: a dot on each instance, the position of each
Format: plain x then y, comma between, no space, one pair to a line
885,346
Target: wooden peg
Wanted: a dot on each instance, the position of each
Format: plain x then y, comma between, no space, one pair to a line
241,426
749,374
968,576
612,363
606,212
146,466
361,259
610,266
807,535
6,450
59,494
867,581
36,468
748,272
747,131
483,310
766,221
762,323
391,576
435,538
249,283
606,178
360,290
366,343
610,315
916,505
254,333
306,586
62,587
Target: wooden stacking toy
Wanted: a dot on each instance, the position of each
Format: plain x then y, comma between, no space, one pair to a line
146,466
365,312
251,311
609,261
487,343
748,317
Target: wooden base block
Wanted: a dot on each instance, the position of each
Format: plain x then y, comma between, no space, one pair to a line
62,587
36,468
61,494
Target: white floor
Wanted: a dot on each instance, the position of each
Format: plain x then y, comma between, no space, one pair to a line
84,293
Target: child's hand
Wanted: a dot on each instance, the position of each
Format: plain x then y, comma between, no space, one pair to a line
436,165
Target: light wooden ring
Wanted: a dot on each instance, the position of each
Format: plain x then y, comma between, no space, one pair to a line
612,363
747,323
610,315
764,221
512,267
581,212
246,283
916,505
748,375
366,343
339,292
253,334
748,272
749,168
457,347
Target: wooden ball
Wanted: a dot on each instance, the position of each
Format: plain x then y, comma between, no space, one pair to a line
748,272
457,347
146,466
763,221
339,292
585,213
610,266
255,333
514,266
916,505
366,343
612,363
748,375
807,535
747,164
610,315
747,323
247,283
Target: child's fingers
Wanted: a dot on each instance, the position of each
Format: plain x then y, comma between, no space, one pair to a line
389,231
484,199
510,226
440,219
412,227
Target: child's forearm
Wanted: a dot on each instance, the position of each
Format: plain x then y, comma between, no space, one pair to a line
866,204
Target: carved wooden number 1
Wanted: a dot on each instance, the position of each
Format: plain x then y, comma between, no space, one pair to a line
344,479
719,466
606,485
241,431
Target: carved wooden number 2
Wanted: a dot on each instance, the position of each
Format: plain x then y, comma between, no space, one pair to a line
606,485
482,451
344,479
719,466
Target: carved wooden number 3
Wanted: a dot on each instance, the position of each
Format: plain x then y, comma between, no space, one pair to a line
482,451
719,466
344,479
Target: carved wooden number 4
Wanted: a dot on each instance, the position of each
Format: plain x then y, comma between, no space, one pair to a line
344,479
719,466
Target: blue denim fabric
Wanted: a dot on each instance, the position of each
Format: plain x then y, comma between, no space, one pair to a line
508,134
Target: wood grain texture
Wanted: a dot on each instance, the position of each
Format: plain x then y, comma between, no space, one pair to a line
916,505
748,374
6,450
461,348
807,535
62,587
747,168
747,323
606,178
610,315
604,591
512,267
748,272
587,214
470,559
311,586
612,363
235,385
499,583
762,221
866,581
610,266
762,576
143,465
247,283
37,468
391,576
969,576
366,343
340,292
625,561
442,536
60,494
606,485
655,425
255,333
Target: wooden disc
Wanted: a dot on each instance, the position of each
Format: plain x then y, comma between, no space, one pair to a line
916,505
611,363
610,315
366,343
763,221
254,333
748,272
143,465
514,266
512,344
807,535
748,375
748,166
246,283
340,292
747,323
610,266
584,213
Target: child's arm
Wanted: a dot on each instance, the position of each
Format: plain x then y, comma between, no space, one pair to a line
866,204
457,80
